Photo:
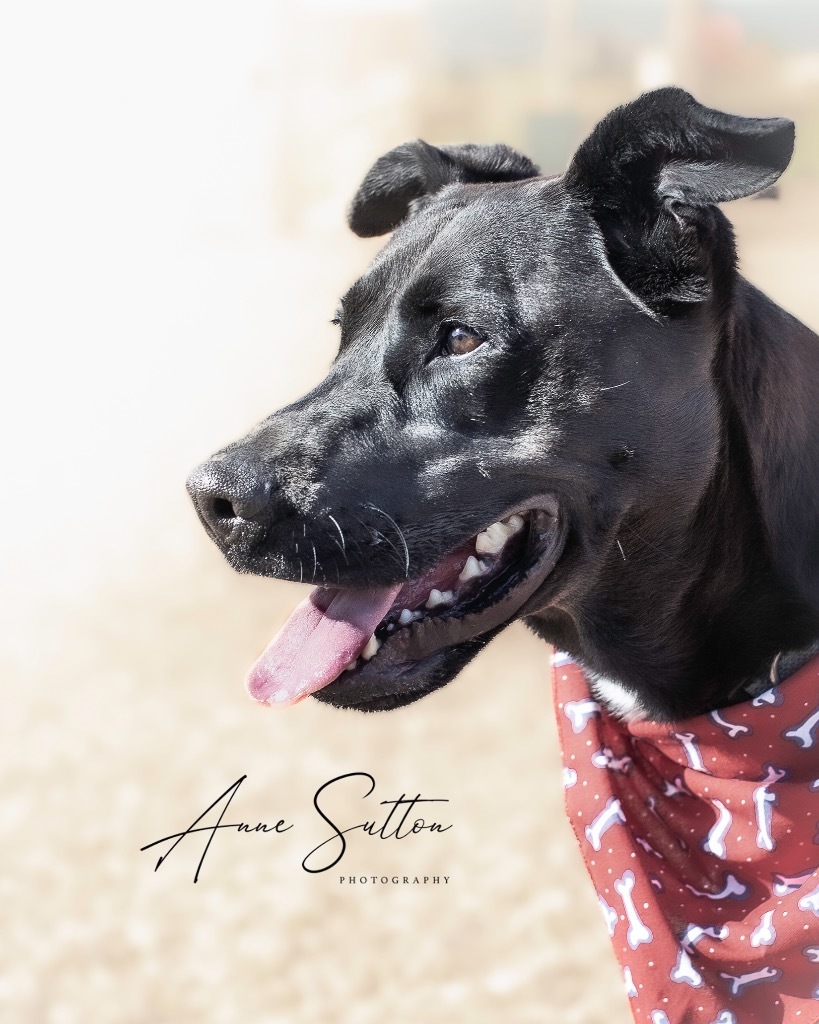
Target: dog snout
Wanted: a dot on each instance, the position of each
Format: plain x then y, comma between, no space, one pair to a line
229,492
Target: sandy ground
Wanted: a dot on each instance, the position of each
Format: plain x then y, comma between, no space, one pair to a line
128,719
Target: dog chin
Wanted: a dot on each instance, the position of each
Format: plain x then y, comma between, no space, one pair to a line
386,688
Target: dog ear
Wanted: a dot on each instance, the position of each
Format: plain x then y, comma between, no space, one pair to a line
416,169
650,174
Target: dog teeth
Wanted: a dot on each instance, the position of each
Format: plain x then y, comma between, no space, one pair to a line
515,524
405,618
471,569
351,666
437,598
372,646
491,541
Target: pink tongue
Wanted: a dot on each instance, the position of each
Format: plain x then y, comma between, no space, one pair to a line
327,631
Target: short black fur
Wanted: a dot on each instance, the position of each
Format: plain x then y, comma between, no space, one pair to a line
629,372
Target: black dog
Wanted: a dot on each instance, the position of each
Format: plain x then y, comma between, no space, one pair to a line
555,399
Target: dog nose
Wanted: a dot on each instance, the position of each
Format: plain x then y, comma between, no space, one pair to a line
228,491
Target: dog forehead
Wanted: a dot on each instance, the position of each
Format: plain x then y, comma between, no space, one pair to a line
483,235
476,221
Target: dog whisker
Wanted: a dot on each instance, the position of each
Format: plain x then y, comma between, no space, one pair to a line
400,533
382,537
341,534
613,387
619,545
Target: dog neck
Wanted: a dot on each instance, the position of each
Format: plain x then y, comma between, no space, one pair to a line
770,375
744,566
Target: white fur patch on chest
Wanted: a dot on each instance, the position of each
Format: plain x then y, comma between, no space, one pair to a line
617,699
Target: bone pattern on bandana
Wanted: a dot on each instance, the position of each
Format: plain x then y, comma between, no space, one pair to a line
702,840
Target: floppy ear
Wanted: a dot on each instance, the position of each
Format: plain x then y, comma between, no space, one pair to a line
416,169
650,173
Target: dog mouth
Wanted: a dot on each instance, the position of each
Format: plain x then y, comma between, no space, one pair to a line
348,645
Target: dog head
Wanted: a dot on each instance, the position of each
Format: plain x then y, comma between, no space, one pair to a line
523,410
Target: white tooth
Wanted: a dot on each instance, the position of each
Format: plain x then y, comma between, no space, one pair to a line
417,616
351,666
372,646
515,524
405,617
471,569
483,543
437,598
491,541
391,627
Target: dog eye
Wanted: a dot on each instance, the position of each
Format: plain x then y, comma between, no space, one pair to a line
460,340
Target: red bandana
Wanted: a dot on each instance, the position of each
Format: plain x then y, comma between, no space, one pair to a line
702,840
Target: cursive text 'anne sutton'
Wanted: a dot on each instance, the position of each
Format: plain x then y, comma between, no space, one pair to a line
396,823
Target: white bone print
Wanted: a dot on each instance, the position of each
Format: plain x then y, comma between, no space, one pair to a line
685,973
675,788
659,1017
732,888
764,934
810,902
715,842
631,988
648,847
579,712
605,758
569,777
773,774
764,802
738,982
725,1017
772,696
609,914
612,814
638,931
784,884
733,729
692,750
694,932
803,734
812,953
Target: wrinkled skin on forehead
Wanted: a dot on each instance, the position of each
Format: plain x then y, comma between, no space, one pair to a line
607,381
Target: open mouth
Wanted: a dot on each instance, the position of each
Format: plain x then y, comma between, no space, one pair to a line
339,639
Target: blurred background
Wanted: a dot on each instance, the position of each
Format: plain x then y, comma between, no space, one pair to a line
174,186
